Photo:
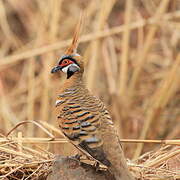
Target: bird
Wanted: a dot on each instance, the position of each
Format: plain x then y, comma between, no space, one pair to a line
84,119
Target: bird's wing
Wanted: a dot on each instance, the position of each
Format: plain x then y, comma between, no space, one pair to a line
80,122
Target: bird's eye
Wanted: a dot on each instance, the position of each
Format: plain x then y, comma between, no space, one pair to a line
65,62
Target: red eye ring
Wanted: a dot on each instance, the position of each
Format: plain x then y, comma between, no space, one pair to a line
65,62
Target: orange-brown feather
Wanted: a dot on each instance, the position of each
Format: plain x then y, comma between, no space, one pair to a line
73,47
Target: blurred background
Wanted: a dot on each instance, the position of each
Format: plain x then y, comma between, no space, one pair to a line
131,51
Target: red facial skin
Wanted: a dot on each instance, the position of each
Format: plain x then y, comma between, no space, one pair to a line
65,62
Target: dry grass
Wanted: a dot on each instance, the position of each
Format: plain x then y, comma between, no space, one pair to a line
21,162
131,49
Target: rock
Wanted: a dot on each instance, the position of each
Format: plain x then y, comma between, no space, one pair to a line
67,168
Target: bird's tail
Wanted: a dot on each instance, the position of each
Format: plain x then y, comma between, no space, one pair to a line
121,173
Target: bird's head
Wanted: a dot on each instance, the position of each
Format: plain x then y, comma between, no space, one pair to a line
71,62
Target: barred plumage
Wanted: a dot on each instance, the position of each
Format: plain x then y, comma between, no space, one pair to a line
80,117
84,119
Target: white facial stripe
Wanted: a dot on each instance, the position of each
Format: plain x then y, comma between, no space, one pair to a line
65,69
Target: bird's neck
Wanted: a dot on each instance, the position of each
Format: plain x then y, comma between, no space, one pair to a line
76,80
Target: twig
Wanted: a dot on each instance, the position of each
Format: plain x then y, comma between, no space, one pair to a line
33,122
63,140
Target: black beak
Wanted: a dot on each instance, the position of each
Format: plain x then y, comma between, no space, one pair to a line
55,69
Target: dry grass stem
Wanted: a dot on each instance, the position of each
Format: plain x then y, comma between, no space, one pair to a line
8,61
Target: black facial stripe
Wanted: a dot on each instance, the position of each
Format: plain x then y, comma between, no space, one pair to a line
69,74
68,57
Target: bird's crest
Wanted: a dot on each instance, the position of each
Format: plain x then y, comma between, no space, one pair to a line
73,47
